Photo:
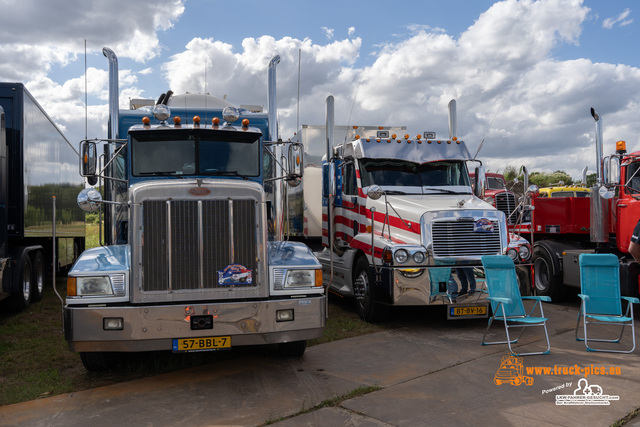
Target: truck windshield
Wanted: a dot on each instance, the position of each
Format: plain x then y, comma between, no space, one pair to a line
495,183
402,173
195,152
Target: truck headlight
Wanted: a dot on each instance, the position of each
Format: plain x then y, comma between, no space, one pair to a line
513,254
524,252
303,279
401,256
95,286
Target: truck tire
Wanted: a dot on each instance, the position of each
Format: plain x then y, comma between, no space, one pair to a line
548,274
37,261
293,349
22,297
368,310
524,280
97,361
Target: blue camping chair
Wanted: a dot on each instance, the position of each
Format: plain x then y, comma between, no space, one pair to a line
506,301
440,282
601,300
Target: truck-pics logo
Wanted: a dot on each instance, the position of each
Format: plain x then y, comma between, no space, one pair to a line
511,371
483,225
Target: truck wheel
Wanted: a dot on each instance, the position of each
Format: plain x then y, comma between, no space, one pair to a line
38,276
367,308
22,297
524,281
97,361
293,349
548,276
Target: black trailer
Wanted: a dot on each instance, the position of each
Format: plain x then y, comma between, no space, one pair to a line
37,163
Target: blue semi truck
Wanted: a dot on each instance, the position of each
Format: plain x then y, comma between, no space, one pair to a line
37,163
194,257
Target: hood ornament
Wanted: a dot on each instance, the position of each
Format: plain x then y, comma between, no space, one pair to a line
461,203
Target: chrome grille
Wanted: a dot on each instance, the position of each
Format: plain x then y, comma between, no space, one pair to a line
186,243
456,238
506,202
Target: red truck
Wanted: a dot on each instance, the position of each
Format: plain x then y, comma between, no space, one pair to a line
564,227
497,195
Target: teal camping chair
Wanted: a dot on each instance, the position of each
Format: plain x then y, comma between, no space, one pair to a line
506,301
601,300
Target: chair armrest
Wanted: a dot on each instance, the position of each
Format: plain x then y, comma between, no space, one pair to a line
539,298
631,300
498,299
584,297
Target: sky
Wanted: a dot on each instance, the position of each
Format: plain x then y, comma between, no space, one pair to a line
524,73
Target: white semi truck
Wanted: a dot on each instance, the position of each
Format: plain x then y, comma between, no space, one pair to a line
397,213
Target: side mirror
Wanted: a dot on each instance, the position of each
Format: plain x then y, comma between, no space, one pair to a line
612,170
328,179
480,182
295,160
89,199
374,192
88,158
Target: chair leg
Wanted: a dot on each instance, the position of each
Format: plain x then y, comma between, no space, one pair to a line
623,324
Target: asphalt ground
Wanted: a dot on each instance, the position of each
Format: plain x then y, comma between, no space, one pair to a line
423,371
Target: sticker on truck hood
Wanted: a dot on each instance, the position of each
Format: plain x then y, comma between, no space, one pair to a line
483,225
234,274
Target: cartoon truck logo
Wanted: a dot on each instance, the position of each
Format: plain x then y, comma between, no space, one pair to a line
512,371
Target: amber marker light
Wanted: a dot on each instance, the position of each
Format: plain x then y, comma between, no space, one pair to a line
406,136
245,122
176,120
215,121
71,287
146,121
393,136
621,146
357,137
196,120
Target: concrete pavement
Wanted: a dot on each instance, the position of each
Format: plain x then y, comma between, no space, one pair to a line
428,372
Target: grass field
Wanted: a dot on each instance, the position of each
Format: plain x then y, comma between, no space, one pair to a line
36,362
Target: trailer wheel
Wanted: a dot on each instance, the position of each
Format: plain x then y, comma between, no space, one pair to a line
293,349
97,361
38,276
548,276
368,310
22,297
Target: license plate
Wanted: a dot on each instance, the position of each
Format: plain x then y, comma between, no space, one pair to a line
469,311
181,345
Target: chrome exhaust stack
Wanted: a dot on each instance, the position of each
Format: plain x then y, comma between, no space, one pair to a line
599,205
278,209
453,120
114,93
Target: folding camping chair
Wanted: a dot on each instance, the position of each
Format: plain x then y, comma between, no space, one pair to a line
601,300
506,301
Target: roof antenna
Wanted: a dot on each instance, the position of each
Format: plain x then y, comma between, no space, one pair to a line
298,112
85,89
355,96
492,120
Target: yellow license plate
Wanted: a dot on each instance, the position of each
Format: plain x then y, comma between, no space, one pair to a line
469,311
181,345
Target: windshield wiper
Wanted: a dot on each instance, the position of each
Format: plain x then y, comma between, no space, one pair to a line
442,190
228,173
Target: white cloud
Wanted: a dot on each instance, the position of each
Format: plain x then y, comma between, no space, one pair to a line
501,70
621,19
328,32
